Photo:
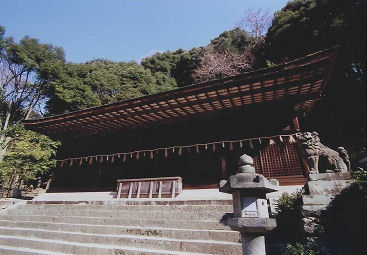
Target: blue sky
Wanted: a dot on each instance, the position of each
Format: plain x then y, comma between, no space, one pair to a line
124,30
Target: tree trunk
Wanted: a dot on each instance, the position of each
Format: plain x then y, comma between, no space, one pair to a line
4,147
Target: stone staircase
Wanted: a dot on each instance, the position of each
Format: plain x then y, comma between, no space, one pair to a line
118,227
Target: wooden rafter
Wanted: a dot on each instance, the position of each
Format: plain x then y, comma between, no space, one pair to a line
298,82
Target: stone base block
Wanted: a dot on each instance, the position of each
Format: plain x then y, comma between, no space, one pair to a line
327,187
312,210
252,225
330,176
317,199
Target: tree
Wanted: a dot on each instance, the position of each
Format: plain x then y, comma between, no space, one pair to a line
216,65
235,40
162,62
26,69
179,64
306,26
256,22
30,155
231,53
186,65
68,92
99,82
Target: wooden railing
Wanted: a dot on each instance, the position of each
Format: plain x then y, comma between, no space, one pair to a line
165,187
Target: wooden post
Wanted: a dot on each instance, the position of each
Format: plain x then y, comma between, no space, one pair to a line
173,189
223,167
261,162
160,190
138,192
151,189
119,190
130,190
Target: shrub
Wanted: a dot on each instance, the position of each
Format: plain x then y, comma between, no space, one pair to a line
299,249
289,202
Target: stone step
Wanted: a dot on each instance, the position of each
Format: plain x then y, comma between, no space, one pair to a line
209,215
217,235
136,202
150,208
184,224
317,199
153,242
10,245
11,250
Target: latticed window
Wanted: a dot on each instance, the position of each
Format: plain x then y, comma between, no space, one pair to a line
278,160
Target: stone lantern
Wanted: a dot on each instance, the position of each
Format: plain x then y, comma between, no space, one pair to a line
250,207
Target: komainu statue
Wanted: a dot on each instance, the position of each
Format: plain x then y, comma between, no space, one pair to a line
315,152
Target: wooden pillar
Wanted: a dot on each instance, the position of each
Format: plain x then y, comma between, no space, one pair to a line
223,167
296,124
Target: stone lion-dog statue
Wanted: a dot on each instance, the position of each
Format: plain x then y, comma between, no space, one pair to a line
313,151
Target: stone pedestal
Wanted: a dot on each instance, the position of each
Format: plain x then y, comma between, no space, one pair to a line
253,244
320,190
327,183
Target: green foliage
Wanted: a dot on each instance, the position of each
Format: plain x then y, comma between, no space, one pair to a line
289,202
28,68
235,40
99,82
179,64
162,62
270,64
360,175
80,86
69,93
28,156
306,26
299,249
188,61
34,55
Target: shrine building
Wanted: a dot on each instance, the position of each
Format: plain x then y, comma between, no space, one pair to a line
195,132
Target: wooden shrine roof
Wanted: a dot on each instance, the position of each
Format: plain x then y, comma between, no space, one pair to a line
300,82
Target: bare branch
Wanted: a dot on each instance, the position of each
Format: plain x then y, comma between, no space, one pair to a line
256,22
216,65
